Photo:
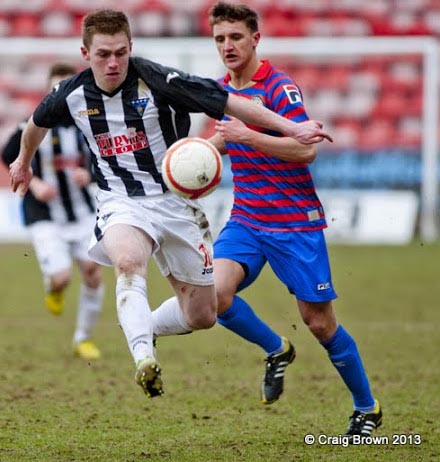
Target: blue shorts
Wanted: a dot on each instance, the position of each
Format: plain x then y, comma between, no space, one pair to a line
298,258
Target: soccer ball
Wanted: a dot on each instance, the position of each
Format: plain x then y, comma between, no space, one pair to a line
192,167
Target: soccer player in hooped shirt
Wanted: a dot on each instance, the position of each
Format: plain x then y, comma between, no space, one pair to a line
276,218
130,110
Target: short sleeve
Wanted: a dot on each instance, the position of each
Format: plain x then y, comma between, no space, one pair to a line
53,110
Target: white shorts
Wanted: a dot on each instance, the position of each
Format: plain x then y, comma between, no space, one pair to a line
178,227
57,245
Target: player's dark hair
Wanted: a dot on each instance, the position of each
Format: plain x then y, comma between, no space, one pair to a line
222,11
61,69
108,22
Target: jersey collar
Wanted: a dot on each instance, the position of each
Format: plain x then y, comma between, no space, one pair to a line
261,74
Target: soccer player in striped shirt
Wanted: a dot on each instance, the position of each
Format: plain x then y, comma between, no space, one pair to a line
277,218
131,110
59,212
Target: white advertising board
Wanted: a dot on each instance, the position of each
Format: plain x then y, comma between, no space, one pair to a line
353,217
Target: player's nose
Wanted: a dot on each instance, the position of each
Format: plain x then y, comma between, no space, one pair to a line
112,61
228,44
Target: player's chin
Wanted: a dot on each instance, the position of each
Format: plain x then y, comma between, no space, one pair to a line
114,79
232,62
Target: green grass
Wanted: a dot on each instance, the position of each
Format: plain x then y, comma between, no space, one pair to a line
54,408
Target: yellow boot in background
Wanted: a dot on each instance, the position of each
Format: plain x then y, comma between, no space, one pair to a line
55,302
86,350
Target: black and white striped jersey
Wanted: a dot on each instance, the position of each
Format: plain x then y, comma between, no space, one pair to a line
130,129
61,151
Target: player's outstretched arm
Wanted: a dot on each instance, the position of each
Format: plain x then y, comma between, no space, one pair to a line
308,132
20,171
282,147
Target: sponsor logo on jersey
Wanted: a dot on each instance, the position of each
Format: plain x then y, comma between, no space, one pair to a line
139,105
292,94
106,216
109,145
88,112
172,75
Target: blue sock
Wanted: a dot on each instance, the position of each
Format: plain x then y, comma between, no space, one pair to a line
241,319
344,355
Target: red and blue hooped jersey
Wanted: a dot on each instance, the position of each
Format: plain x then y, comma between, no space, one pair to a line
270,193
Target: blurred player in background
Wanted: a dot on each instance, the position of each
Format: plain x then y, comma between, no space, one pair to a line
59,211
130,110
276,218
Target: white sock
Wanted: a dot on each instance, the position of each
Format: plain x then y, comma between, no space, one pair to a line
46,282
168,319
89,307
134,314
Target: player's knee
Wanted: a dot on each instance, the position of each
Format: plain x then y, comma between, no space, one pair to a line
320,327
202,322
224,301
59,281
129,264
92,275
202,319
319,318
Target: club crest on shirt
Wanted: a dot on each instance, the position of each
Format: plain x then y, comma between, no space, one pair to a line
292,94
257,100
139,105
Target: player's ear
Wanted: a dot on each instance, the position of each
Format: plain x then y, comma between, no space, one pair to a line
256,38
85,53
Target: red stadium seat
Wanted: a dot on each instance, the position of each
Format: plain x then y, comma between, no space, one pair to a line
84,6
378,133
25,25
391,104
203,27
5,27
336,75
410,131
77,19
346,133
57,24
180,23
279,25
150,19
308,77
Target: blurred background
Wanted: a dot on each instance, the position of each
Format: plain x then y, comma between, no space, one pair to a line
368,69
